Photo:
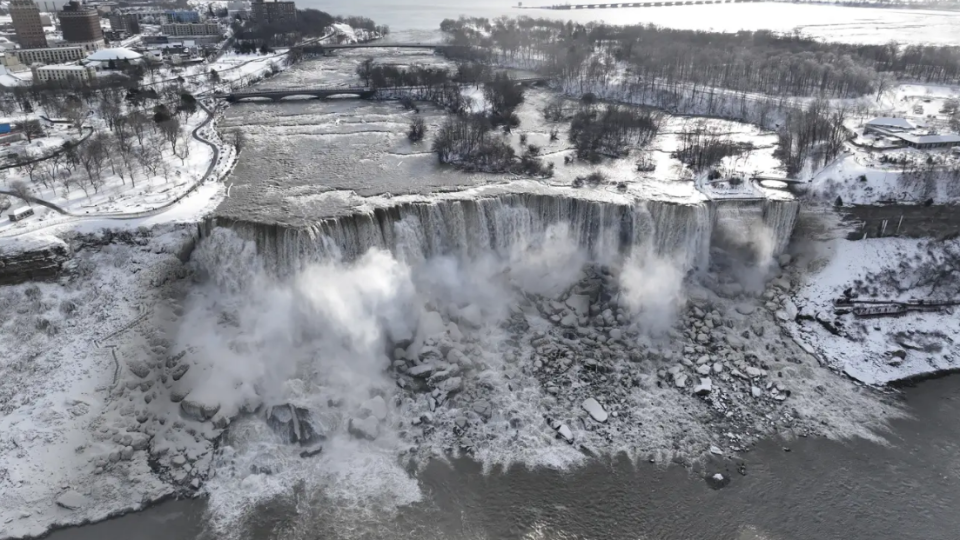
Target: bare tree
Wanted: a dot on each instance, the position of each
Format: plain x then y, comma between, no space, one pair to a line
170,129
21,189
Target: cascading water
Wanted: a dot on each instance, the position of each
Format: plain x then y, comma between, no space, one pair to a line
469,227
372,322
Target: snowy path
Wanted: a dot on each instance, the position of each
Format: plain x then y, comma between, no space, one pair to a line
76,218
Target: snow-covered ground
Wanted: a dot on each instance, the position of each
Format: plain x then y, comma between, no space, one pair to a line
71,446
882,349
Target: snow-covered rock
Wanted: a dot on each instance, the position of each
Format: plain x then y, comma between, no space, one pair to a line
376,407
594,409
579,303
72,500
431,324
365,428
704,387
471,316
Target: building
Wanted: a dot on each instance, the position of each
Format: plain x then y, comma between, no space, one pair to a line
143,15
63,73
26,23
191,29
113,58
886,125
125,22
48,55
183,16
931,141
80,23
273,13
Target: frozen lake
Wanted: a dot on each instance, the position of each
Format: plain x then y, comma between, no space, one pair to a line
831,23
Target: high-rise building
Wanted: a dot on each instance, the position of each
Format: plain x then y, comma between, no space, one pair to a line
273,13
80,23
26,22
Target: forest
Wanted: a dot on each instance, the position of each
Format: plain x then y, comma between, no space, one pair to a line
760,62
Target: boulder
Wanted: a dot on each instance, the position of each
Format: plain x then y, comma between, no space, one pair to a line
594,409
72,500
471,316
197,410
704,387
579,303
451,385
376,407
293,424
681,381
366,428
431,324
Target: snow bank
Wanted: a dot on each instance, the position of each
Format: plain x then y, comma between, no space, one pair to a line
75,430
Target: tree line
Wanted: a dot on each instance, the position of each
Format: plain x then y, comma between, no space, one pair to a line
138,126
597,54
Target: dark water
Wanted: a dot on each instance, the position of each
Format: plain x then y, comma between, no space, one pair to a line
819,489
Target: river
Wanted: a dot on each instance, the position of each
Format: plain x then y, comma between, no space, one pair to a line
416,18
793,490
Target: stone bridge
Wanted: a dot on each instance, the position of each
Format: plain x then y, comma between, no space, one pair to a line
317,48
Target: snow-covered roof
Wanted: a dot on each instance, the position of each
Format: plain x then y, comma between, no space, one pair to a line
931,139
105,55
901,123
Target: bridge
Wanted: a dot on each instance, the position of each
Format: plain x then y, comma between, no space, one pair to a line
316,48
360,92
644,4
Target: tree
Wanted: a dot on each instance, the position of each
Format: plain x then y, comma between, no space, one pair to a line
138,123
23,190
365,71
418,129
239,140
213,76
170,129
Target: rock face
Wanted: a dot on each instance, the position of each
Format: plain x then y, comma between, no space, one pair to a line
594,409
38,263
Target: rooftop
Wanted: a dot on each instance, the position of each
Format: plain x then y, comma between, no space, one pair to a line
884,121
931,139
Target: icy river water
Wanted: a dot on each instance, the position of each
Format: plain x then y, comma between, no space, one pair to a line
909,488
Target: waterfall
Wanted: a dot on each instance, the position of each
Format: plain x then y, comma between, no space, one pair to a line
416,231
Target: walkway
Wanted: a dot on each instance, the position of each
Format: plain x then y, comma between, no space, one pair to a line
125,215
